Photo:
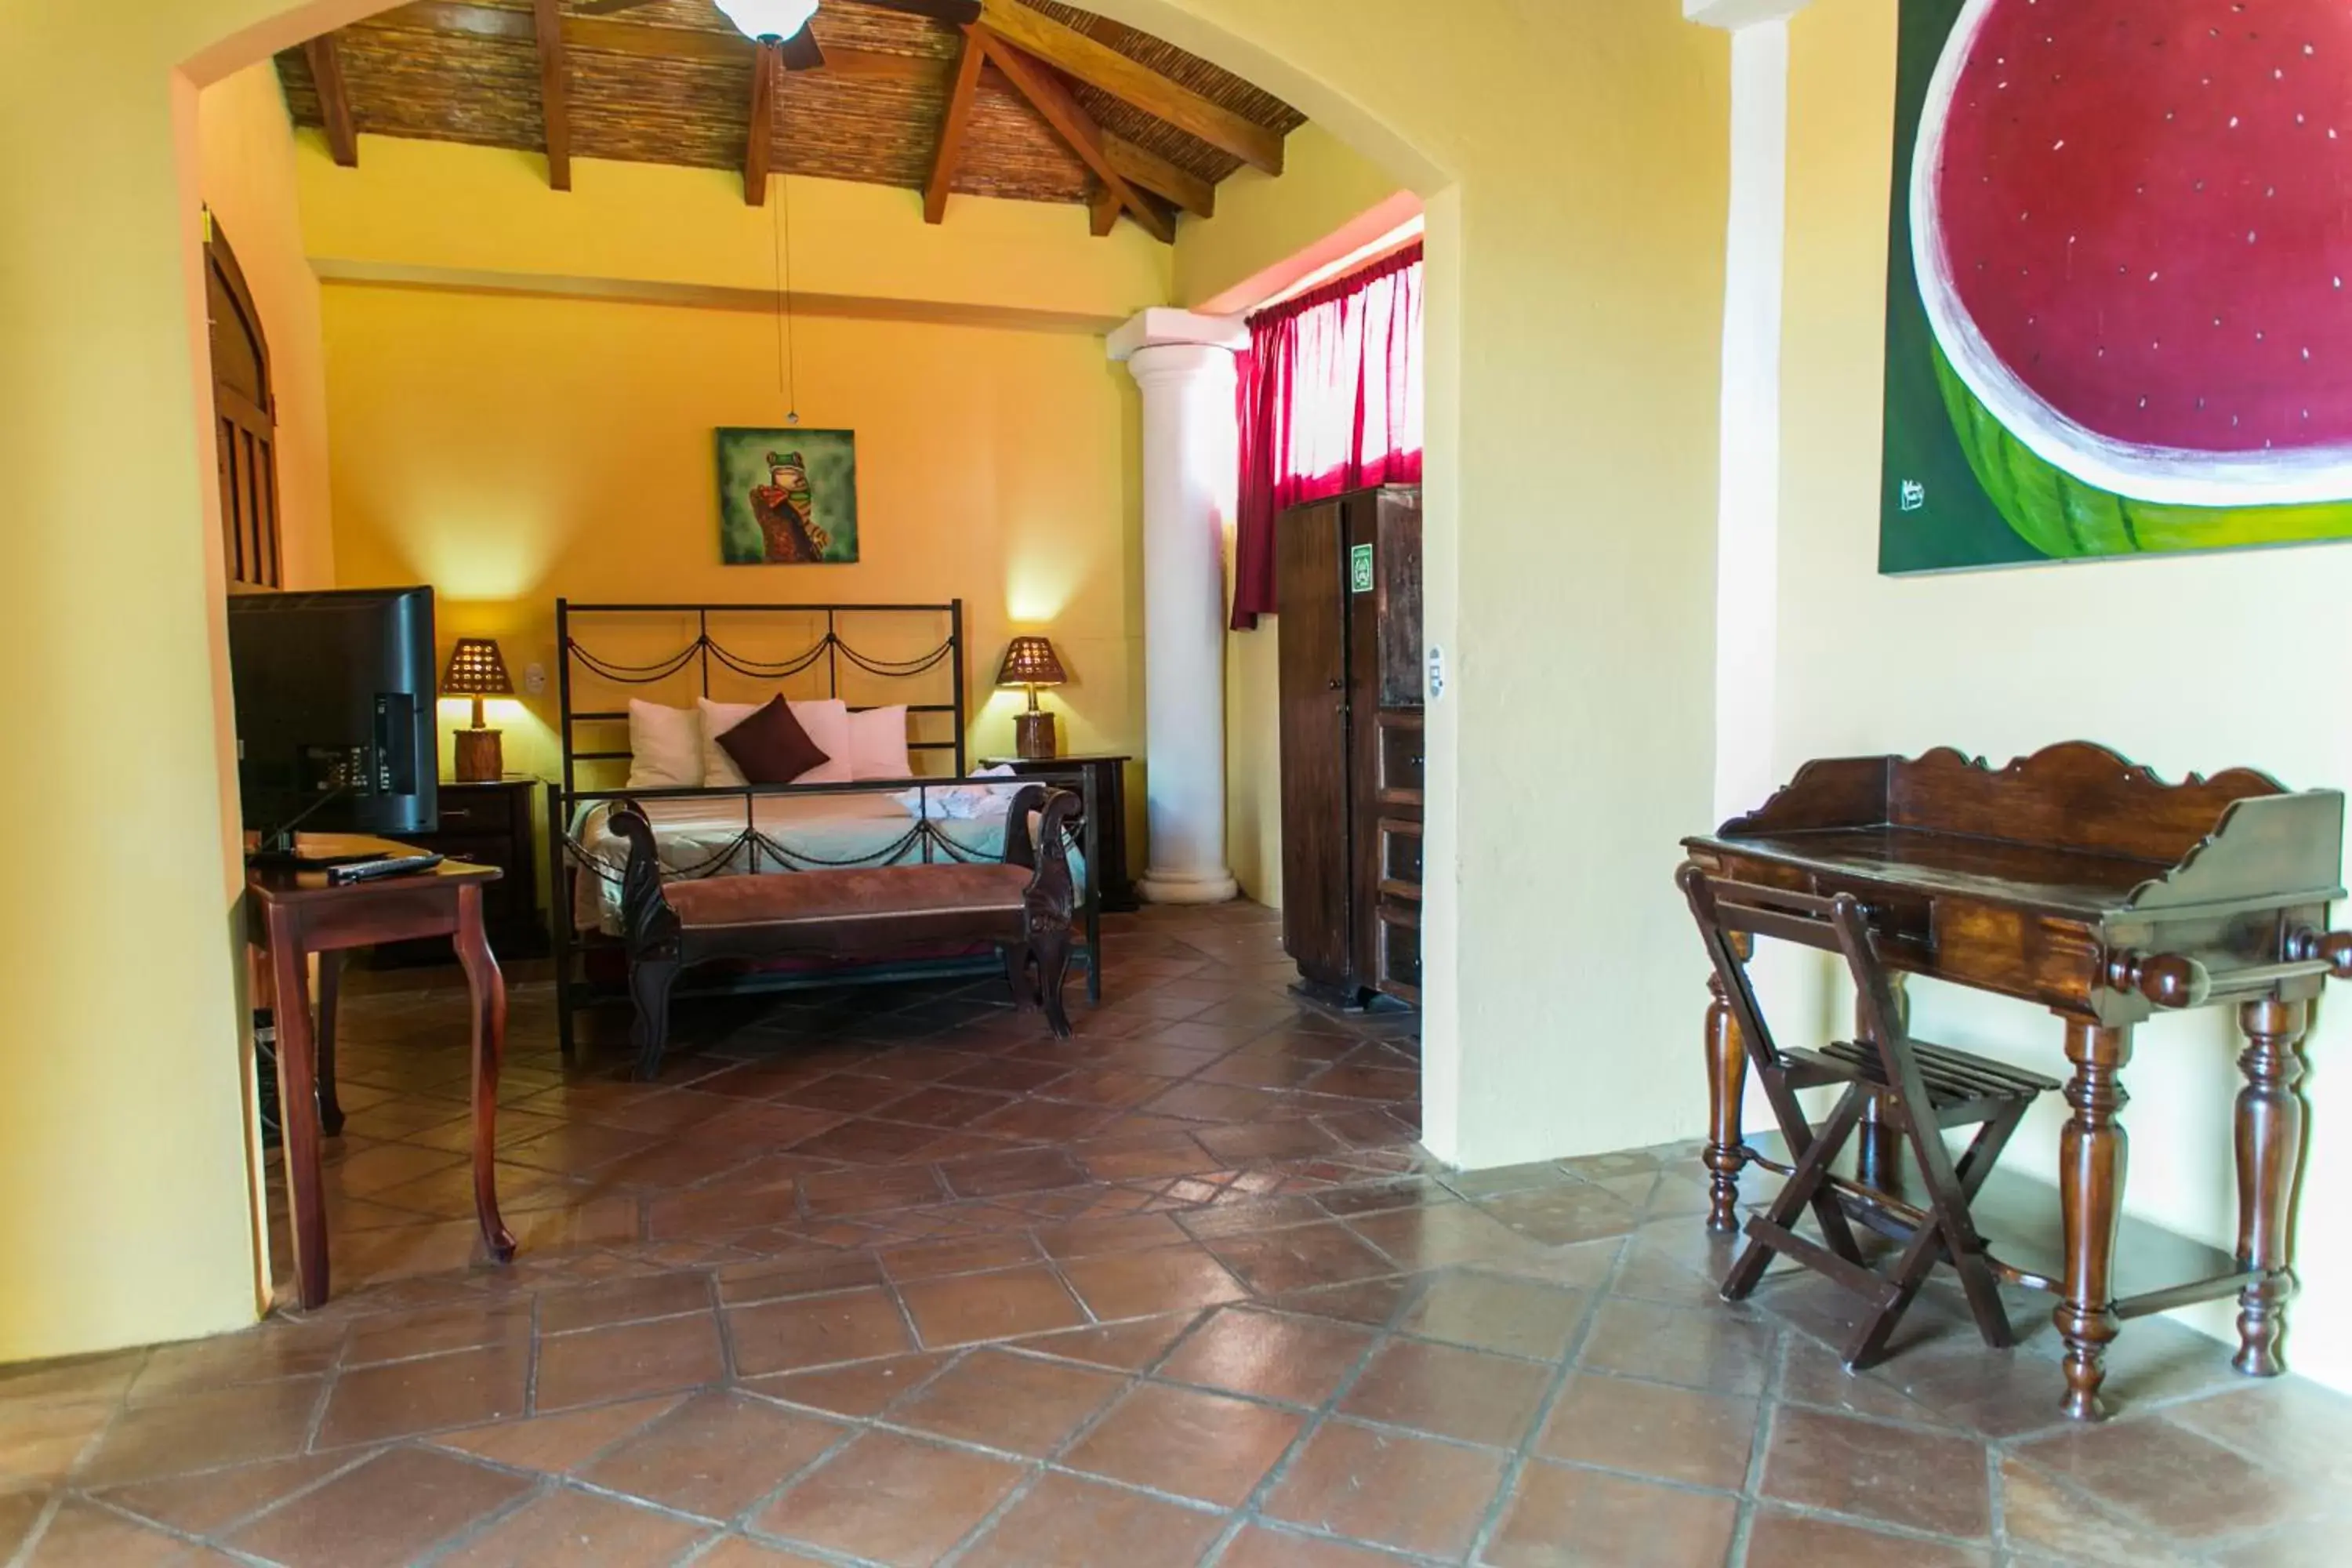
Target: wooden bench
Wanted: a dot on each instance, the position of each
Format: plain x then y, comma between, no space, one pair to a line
1024,905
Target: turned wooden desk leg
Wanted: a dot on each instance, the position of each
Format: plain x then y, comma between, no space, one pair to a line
298,1106
2092,1154
2270,1152
331,989
488,988
1727,1083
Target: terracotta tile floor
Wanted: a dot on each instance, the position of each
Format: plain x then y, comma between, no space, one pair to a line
891,1277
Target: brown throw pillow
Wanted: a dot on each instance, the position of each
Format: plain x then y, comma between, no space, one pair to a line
771,747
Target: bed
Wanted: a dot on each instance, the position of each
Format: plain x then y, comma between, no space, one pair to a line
871,658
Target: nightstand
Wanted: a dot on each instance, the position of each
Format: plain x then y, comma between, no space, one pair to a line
489,825
1109,776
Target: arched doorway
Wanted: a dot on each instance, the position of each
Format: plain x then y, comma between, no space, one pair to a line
1574,296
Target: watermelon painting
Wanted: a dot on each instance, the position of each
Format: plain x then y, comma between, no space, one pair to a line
2119,318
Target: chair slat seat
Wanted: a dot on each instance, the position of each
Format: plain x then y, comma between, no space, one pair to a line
1952,1077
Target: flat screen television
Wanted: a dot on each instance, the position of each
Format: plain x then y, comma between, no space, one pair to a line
335,727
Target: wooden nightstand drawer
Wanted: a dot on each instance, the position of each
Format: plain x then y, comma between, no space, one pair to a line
489,825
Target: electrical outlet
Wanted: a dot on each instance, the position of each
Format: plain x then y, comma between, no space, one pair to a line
1436,672
534,679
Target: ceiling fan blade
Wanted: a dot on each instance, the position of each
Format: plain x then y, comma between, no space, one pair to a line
954,12
606,8
800,52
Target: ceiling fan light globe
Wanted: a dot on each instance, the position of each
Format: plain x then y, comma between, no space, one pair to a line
765,19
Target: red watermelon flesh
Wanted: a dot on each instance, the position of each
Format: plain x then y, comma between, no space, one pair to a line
2141,211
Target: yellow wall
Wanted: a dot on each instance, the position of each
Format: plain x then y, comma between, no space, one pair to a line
482,215
2162,658
1262,219
1574,157
523,418
246,145
122,1135
512,450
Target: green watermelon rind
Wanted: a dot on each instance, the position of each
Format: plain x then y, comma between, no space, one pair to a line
2066,518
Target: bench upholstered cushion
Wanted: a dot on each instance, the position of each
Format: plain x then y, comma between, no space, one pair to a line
880,892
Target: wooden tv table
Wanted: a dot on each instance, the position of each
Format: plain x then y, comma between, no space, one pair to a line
291,913
2075,880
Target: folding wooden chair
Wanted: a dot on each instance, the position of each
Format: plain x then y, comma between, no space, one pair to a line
1920,1090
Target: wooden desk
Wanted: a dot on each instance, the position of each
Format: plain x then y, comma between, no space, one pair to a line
291,914
2075,880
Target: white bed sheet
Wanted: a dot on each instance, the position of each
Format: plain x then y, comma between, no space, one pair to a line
691,834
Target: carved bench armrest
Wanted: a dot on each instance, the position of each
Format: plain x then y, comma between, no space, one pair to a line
648,925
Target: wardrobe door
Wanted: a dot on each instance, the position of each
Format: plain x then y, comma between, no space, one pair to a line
1310,600
1366,553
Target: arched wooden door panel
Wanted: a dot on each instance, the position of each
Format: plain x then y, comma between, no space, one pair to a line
245,423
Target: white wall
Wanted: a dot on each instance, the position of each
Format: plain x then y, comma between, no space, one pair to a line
2196,663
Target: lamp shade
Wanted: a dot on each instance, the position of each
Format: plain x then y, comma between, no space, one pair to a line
768,18
475,669
1031,661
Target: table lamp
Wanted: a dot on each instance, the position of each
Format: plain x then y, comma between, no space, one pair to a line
476,670
1031,661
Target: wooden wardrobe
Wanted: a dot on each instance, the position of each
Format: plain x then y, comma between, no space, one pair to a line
1348,598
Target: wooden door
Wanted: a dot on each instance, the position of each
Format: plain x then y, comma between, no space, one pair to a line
245,423
1311,601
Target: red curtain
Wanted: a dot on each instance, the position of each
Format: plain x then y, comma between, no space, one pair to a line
1330,401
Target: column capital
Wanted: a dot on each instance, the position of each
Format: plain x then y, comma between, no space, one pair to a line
1733,14
1162,327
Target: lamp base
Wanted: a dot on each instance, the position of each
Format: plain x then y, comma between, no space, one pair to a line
1033,737
480,756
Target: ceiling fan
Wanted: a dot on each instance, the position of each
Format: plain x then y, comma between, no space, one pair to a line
784,23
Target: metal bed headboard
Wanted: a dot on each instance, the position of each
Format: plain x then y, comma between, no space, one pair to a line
829,650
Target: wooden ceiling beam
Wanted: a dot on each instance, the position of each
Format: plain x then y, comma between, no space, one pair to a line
1098,65
952,129
1137,166
334,99
1034,82
1103,208
759,136
1148,169
554,90
640,40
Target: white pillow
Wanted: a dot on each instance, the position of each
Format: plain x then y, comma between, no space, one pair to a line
664,747
877,744
827,723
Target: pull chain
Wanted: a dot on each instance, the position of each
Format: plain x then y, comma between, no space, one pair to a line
787,350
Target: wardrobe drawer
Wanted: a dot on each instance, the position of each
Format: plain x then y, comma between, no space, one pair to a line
1397,757
1400,862
1399,941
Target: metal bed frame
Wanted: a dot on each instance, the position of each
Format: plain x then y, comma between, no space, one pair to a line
573,988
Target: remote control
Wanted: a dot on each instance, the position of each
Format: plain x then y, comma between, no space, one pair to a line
390,866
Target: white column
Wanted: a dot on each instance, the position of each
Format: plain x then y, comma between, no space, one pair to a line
1185,365
1747,502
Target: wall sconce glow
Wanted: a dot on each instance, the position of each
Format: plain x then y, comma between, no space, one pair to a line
1036,592
765,19
482,554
